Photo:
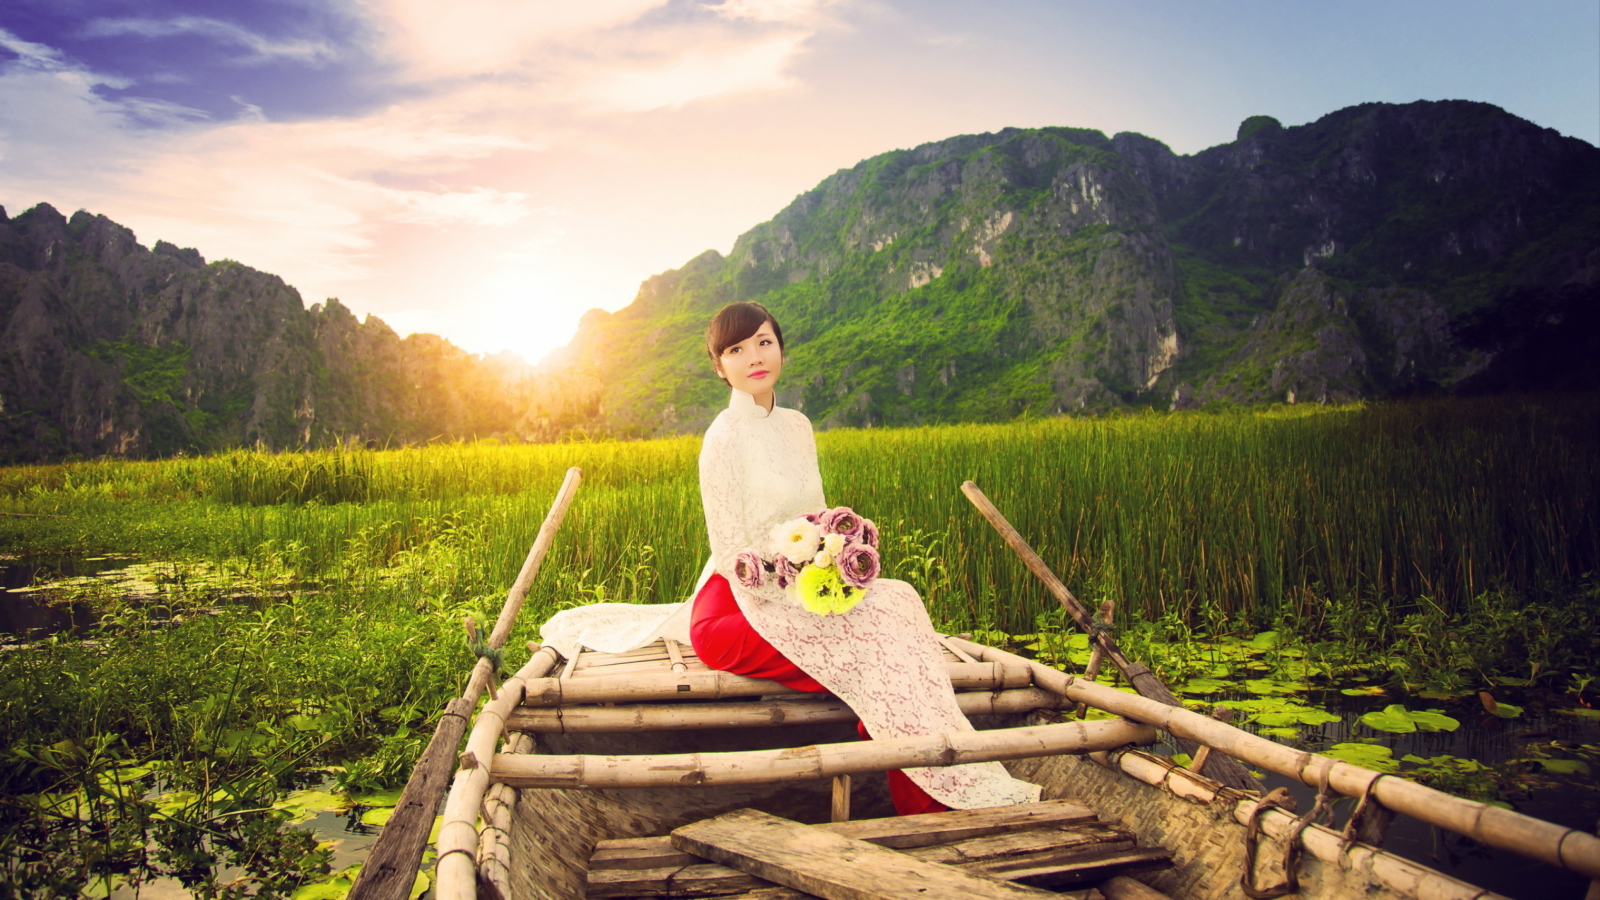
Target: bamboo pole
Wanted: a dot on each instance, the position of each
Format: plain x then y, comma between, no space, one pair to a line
1400,876
712,684
391,866
1143,680
813,763
766,714
1097,654
455,873
1222,714
1568,848
494,842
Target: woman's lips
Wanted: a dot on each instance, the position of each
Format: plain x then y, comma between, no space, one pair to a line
760,374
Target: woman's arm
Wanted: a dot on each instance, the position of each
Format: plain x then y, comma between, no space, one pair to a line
722,497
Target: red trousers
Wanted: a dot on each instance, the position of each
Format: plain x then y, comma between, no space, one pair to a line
723,639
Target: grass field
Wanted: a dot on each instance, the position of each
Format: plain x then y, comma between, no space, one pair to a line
304,621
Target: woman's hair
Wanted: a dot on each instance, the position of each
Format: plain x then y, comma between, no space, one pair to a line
735,322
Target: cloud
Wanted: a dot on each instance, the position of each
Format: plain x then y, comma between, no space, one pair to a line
699,73
261,48
467,38
459,196
769,10
34,56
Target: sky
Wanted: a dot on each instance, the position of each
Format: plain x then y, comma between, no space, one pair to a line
488,170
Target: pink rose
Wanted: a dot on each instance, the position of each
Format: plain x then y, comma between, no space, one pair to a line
747,568
869,533
841,520
858,564
785,571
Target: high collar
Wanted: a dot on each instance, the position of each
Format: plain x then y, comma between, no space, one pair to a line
745,406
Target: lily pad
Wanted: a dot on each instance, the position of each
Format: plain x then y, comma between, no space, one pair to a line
1581,713
1371,756
1282,732
1495,708
336,887
1564,766
421,885
1396,718
1266,640
378,798
1203,686
304,805
1299,715
377,816
1370,690
1273,686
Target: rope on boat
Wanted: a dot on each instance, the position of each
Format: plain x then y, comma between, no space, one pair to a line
480,645
1367,806
1292,845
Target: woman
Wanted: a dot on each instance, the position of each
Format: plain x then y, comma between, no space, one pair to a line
758,468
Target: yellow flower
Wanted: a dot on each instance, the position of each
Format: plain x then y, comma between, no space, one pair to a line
823,592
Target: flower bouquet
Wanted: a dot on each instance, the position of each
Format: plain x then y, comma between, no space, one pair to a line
828,558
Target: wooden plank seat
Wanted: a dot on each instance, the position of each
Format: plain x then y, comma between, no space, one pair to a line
1053,844
658,672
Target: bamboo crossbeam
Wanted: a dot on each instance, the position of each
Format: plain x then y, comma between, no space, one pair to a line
815,762
765,714
716,685
1568,848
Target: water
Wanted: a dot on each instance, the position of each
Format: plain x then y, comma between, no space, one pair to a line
1570,801
25,611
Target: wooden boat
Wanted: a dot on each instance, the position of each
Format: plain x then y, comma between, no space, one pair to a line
608,754
647,774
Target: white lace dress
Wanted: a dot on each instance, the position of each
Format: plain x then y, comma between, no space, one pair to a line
882,657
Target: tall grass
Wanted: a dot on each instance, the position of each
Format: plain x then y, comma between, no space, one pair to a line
1242,516
1368,527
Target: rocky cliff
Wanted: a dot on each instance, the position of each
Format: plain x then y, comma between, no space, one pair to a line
109,348
1050,270
1381,250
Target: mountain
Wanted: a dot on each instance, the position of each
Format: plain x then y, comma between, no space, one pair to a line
1382,250
1050,270
110,348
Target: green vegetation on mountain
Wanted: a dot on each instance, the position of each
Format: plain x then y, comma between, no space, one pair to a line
1039,271
1026,273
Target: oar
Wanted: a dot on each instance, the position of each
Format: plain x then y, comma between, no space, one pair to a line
391,867
1222,768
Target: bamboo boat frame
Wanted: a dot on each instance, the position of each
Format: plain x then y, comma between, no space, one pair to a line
484,783
496,762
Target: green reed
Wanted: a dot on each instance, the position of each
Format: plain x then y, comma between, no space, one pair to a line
1239,516
1441,533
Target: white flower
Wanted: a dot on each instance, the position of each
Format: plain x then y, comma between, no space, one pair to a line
797,540
833,543
822,560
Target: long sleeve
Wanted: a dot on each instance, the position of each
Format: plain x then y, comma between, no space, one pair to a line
722,495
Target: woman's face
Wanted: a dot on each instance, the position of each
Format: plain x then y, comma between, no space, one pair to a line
753,364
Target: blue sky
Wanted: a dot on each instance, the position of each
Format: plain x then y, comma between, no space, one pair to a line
489,169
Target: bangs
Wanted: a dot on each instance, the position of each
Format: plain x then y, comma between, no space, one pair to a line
736,322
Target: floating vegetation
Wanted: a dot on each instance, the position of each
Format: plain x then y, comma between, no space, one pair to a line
1396,718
